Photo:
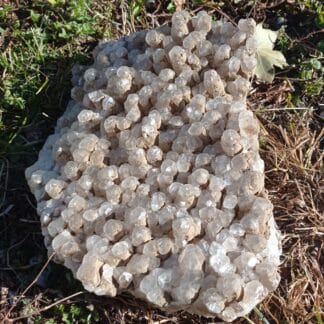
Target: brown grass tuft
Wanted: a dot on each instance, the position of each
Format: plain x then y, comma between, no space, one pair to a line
294,163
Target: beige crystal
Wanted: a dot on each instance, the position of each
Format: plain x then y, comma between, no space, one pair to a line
152,182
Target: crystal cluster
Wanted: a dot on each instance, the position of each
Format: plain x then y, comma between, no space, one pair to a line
152,182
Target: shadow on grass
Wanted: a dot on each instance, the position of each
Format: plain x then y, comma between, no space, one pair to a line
22,252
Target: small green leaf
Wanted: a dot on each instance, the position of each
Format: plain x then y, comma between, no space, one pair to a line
34,16
267,58
63,34
319,20
66,319
136,11
316,64
50,321
136,7
306,74
171,7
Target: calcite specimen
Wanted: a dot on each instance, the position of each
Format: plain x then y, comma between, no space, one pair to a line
152,182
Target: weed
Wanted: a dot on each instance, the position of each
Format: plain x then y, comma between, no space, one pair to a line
262,142
136,7
171,7
305,61
69,314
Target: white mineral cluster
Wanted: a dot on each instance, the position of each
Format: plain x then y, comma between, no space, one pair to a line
152,182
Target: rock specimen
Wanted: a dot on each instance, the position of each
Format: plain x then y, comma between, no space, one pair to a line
152,182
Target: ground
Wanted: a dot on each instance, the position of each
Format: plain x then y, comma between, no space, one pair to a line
41,40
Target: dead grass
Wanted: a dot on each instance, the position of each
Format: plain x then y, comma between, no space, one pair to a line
293,180
294,164
290,145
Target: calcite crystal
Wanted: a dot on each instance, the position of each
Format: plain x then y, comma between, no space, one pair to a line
152,182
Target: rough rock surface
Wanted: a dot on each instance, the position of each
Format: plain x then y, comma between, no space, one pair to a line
152,182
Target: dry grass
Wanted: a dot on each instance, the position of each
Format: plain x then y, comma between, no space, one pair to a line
294,180
294,184
291,147
293,164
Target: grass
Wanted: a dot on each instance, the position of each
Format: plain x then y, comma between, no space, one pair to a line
41,40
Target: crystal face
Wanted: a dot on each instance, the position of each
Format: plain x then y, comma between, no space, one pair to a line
152,182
